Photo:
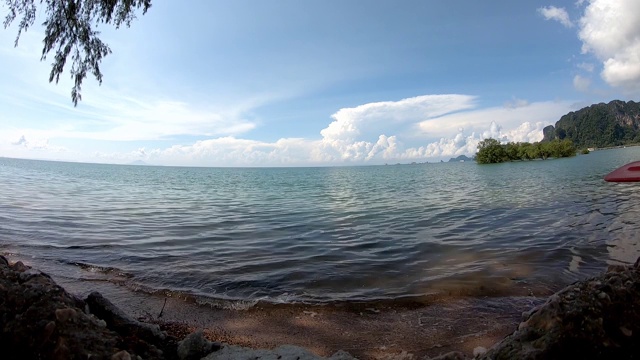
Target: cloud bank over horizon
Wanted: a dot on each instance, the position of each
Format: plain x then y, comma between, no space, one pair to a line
422,128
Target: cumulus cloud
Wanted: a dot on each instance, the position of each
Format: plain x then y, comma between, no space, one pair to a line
557,14
610,29
298,152
362,132
462,144
477,121
414,129
581,83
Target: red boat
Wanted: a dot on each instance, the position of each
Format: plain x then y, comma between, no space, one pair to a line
626,173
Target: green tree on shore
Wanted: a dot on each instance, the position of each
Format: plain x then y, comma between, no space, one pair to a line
491,151
70,32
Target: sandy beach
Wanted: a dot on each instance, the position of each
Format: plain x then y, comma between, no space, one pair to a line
595,318
382,330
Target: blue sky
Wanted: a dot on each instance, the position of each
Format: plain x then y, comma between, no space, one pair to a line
299,83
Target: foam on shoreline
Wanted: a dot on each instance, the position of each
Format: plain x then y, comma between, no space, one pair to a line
367,330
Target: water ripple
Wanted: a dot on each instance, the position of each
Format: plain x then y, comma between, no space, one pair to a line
324,234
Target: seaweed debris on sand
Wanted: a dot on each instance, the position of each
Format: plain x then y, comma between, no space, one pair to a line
598,318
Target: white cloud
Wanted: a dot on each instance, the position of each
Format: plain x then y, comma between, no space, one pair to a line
610,29
119,110
581,83
119,118
557,14
510,118
380,132
463,144
415,129
363,132
229,151
24,145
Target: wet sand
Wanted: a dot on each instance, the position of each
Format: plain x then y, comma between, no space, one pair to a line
381,330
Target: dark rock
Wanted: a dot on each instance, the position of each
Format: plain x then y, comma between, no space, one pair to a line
35,322
598,318
39,320
195,346
122,323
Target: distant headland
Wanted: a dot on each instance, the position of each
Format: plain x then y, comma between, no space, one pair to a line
599,126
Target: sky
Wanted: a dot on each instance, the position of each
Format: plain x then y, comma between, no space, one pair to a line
320,82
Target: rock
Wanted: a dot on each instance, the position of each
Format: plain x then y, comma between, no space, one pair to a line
34,319
119,321
19,267
194,346
284,352
40,320
598,318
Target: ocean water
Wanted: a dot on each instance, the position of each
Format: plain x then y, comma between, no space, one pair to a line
323,234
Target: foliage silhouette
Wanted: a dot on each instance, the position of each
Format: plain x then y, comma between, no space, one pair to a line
70,31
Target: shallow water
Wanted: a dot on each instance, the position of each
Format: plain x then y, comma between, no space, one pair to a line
323,234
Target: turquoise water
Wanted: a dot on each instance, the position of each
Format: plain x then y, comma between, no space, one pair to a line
323,234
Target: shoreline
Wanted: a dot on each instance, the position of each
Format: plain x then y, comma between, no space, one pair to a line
597,318
383,330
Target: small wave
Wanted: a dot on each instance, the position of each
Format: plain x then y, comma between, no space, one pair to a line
188,297
106,270
226,304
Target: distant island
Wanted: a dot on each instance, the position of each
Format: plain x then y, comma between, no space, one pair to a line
461,158
599,126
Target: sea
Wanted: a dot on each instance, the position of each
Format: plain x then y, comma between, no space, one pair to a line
323,234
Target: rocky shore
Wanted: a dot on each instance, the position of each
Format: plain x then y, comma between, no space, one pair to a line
598,318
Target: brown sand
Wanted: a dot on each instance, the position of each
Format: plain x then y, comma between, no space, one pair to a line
368,331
